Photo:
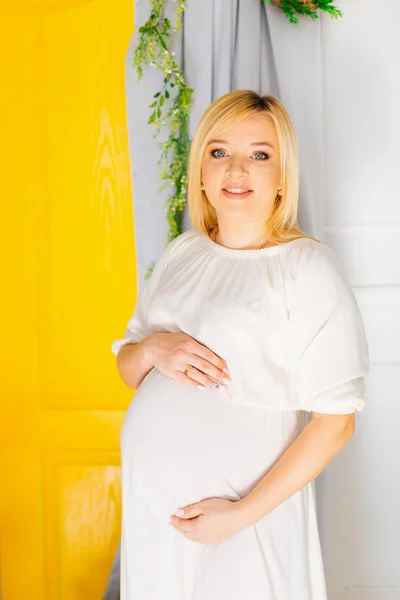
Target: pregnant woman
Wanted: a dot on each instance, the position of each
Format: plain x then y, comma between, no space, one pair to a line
245,326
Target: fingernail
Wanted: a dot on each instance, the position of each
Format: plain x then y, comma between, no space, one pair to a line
179,512
200,387
226,381
226,371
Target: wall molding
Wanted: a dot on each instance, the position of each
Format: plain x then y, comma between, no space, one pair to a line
362,228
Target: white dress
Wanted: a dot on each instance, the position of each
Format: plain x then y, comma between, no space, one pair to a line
287,323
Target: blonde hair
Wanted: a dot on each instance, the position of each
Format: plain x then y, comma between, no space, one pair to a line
224,112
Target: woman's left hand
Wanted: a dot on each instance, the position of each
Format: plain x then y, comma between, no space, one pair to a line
210,521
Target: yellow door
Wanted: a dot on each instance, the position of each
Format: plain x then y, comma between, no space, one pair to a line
68,283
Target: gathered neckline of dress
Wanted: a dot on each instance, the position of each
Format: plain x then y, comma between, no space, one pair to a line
249,252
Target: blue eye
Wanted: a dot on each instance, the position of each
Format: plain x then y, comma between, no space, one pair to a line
263,154
212,153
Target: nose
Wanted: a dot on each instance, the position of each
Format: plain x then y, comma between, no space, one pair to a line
236,168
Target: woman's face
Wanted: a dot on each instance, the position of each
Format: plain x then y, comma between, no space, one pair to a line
244,157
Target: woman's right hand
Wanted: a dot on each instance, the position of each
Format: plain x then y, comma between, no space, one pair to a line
171,353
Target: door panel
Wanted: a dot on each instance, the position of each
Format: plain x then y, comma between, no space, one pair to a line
69,282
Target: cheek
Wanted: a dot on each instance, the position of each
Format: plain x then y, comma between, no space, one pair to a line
265,174
211,171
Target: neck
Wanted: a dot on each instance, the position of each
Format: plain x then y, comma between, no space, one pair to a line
245,239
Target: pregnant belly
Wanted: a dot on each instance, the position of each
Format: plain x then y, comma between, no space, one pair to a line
186,445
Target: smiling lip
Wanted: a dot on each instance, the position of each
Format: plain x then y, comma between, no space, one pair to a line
239,195
237,187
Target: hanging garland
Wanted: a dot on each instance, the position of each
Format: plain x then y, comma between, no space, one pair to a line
306,7
153,49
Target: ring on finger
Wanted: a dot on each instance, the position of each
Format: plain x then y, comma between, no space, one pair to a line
187,369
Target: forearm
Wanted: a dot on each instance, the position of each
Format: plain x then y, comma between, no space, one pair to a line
134,361
307,456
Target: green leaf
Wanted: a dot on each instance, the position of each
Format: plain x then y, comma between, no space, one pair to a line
166,93
159,113
152,118
162,99
156,95
153,105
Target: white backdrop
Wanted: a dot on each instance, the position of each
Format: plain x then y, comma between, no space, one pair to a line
340,83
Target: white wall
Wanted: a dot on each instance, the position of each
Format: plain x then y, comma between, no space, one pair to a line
359,493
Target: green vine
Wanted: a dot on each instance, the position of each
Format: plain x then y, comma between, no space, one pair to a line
153,49
171,106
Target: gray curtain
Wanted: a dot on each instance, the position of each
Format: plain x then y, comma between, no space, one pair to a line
226,45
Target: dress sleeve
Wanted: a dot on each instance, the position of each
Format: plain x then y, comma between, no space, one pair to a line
137,327
327,349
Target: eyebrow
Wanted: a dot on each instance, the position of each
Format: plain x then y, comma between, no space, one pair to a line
253,144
